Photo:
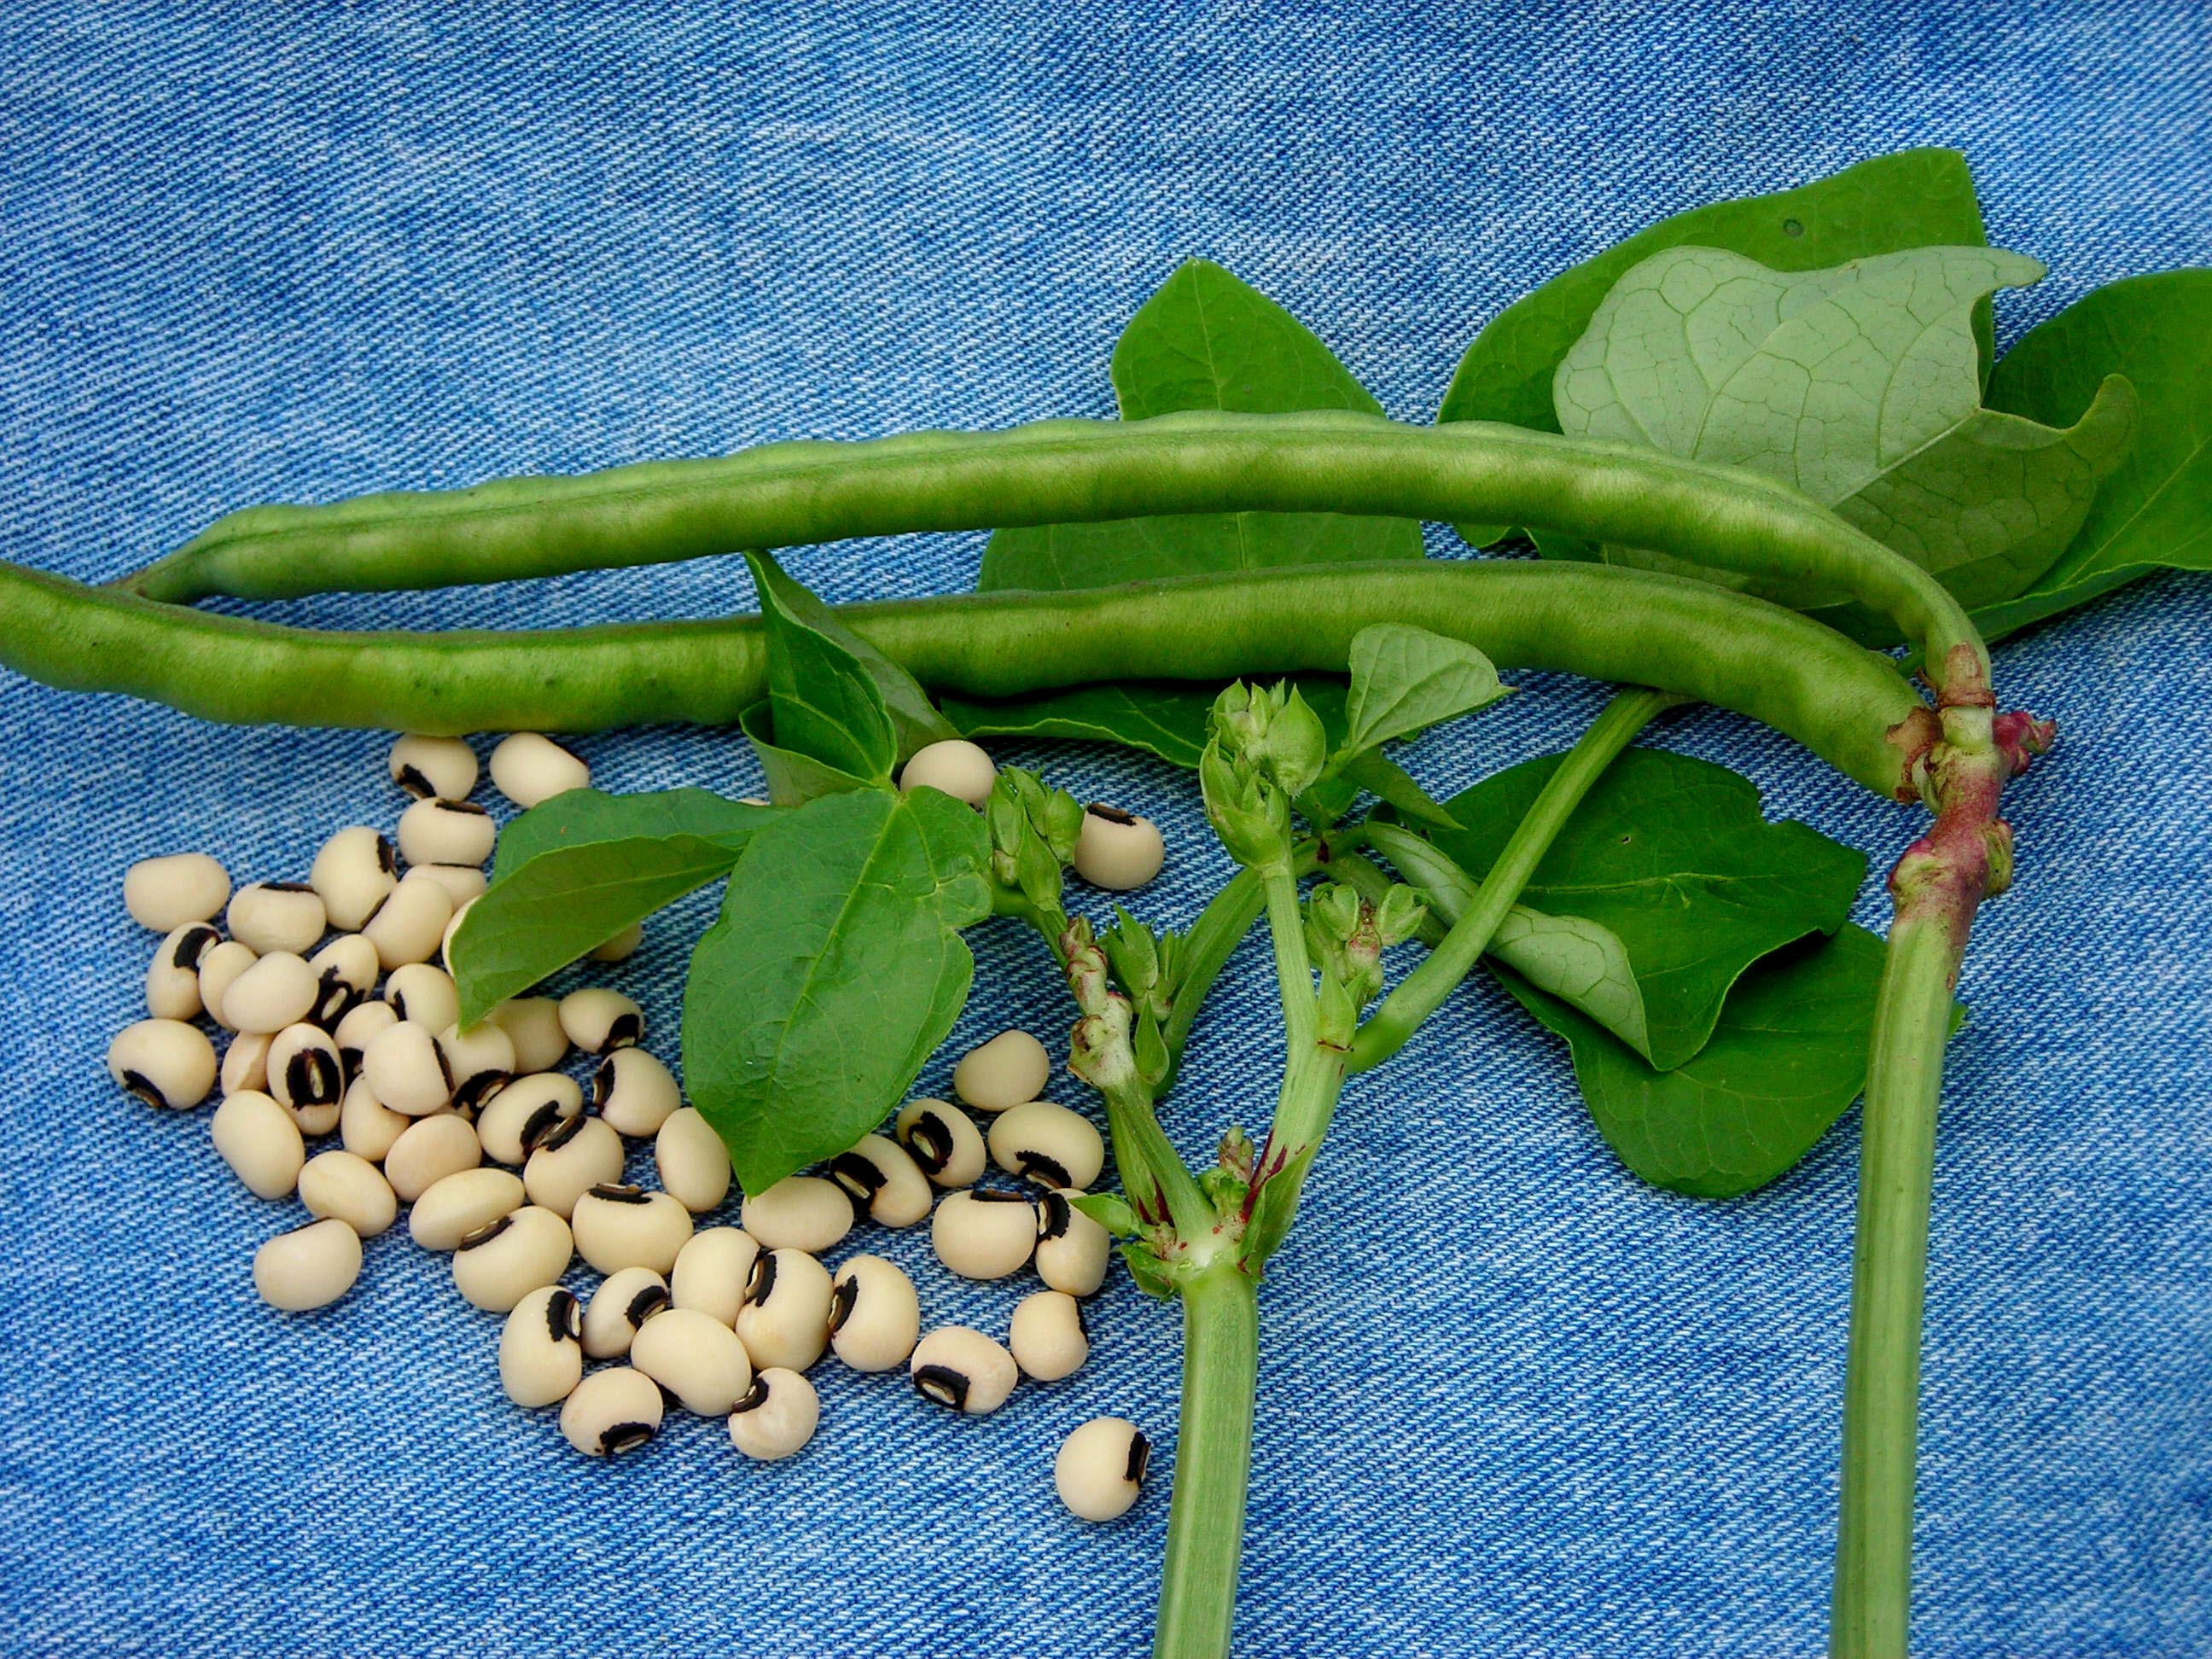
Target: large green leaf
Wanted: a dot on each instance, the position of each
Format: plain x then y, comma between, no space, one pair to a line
573,872
791,777
1670,857
833,971
824,701
1918,198
915,721
2156,510
1405,679
1787,1054
1206,340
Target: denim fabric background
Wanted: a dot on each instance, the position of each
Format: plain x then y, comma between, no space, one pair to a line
1515,1403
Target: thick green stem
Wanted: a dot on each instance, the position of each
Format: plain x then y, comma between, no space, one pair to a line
1213,1462
1422,992
1293,966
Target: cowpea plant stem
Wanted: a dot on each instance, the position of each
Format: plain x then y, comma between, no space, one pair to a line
1213,1462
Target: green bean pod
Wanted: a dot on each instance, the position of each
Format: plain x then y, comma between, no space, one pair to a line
1059,472
1847,704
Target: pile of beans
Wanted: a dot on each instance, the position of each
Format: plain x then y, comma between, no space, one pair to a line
340,1020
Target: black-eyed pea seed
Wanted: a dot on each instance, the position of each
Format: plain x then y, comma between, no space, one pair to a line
362,1023
529,770
429,1150
541,1348
480,1061
711,1272
310,1266
245,1062
618,947
776,1416
424,767
785,1318
409,927
984,1235
406,1066
165,1062
450,1209
513,1120
503,1261
943,1140
341,1186
464,884
695,1357
578,1154
954,765
434,830
1048,1144
353,874
611,1412
367,1127
634,1091
599,1021
304,1070
165,893
1072,1251
220,970
260,1141
622,1226
345,972
881,1178
693,1164
173,978
963,1370
270,993
445,951
276,915
619,1309
1100,1468
1047,1335
533,1025
875,1317
799,1212
423,992
1117,850
1008,1070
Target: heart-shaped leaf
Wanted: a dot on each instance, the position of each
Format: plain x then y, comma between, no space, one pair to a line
1405,679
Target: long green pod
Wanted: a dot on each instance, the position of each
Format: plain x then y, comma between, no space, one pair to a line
1059,472
1849,705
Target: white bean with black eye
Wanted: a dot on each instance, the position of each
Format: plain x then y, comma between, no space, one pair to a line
1047,1335
577,1155
1100,1468
165,1062
367,1127
165,893
310,1266
611,1412
599,1021
260,1141
353,874
272,991
480,1060
634,1092
1072,1251
619,1309
361,1024
220,970
618,947
983,1234
785,1318
429,1150
444,767
173,978
514,1119
881,1178
695,1357
875,1315
533,1025
305,1073
541,1348
503,1261
962,1370
529,768
464,884
799,1212
277,915
406,1066
410,925
1008,1070
245,1062
954,765
424,993
943,1140
1117,850
693,1164
341,1186
439,831
345,971
450,1209
777,1416
711,1272
622,1226
1048,1144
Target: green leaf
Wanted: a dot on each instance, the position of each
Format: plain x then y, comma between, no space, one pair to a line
824,702
793,777
1166,718
1918,198
1111,1210
915,721
1206,340
833,971
1787,1054
2155,510
1670,857
573,872
1405,679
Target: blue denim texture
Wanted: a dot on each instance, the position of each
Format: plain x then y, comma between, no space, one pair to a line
1513,1401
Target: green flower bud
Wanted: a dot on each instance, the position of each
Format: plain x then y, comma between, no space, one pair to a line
1274,731
1249,815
